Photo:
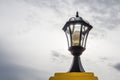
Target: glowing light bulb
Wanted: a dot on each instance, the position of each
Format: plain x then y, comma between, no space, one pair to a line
76,38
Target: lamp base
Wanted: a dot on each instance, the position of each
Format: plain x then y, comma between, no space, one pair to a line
74,76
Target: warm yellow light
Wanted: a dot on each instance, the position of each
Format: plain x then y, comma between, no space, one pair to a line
76,38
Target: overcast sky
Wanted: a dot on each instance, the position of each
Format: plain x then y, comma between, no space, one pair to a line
34,47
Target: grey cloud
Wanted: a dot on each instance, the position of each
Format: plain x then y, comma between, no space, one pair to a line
11,71
39,3
99,6
59,57
117,66
56,5
55,54
104,14
16,72
104,58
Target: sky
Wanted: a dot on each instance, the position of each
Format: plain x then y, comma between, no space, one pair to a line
34,47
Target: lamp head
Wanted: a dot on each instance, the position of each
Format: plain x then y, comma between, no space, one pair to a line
77,30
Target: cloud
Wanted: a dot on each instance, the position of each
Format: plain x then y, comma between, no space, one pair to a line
39,21
104,58
58,56
103,14
9,70
117,66
16,72
56,5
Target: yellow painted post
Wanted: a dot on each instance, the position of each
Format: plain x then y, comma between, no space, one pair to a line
74,76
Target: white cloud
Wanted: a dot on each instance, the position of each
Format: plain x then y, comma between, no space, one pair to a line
31,29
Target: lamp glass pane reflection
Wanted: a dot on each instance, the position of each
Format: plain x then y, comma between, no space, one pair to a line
76,38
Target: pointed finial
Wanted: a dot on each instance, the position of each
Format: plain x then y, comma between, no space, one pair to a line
77,14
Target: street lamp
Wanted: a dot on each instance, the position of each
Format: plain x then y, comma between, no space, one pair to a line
77,30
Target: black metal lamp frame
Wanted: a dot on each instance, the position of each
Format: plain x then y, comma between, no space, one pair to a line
76,51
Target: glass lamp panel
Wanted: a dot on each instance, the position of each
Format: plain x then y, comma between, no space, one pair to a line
82,40
84,35
68,35
77,27
76,38
84,30
75,34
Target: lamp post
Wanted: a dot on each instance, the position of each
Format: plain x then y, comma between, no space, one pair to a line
77,30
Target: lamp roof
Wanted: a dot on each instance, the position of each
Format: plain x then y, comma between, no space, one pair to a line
77,20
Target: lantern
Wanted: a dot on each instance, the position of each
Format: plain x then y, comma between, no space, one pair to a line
77,30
